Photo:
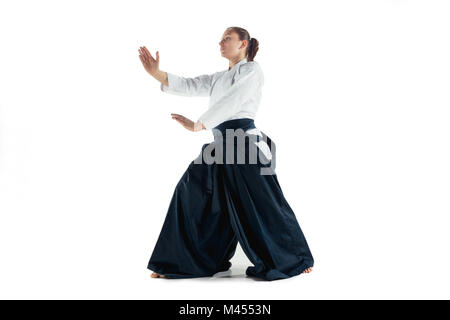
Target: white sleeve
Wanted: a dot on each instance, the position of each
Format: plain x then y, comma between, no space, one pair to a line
198,86
246,85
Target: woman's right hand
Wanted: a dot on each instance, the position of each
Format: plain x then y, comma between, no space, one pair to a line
150,64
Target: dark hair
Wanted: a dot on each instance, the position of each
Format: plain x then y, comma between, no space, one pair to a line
253,44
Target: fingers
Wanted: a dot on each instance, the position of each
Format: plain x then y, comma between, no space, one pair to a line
149,56
177,116
184,124
142,55
141,51
145,54
182,121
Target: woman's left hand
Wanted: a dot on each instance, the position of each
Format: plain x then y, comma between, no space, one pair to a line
188,124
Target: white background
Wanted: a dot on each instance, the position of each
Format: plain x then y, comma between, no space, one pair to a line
356,99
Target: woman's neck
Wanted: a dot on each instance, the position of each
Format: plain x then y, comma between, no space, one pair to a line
233,63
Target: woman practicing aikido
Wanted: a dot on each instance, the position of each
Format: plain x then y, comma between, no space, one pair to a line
217,204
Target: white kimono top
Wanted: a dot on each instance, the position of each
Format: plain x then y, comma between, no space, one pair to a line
234,93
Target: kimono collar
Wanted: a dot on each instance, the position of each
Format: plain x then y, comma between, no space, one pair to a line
237,64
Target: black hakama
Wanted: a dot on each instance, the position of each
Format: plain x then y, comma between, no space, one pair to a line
216,205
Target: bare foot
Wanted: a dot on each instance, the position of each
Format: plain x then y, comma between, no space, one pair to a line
157,275
307,270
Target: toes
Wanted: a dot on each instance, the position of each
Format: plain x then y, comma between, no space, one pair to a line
308,270
157,275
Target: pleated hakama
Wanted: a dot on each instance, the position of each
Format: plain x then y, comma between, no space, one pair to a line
216,205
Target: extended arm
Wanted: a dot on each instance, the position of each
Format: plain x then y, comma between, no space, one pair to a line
192,87
199,86
171,83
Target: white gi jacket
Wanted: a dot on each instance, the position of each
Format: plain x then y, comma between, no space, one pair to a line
234,93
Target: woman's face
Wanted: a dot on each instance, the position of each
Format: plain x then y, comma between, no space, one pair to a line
231,46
